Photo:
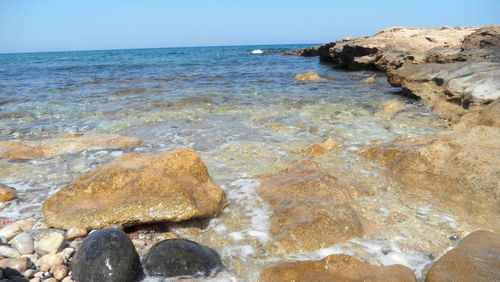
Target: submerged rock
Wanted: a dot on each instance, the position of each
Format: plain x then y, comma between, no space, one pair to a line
106,255
134,189
476,258
311,76
310,208
7,193
322,148
336,268
69,144
179,257
458,170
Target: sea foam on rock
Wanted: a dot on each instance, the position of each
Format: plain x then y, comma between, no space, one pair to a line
106,255
137,188
179,257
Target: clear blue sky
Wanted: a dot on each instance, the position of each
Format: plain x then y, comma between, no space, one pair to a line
51,25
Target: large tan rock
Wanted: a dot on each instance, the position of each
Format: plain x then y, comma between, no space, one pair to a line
459,170
310,209
311,76
134,189
336,268
69,144
476,258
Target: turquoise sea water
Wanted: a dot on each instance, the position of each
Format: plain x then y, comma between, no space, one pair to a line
243,113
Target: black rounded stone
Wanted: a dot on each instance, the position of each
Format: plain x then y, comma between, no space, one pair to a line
106,255
179,257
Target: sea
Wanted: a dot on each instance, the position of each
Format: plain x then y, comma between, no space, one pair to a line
240,108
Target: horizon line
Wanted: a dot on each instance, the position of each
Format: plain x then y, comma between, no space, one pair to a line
149,48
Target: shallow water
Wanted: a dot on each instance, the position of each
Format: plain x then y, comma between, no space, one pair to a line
245,115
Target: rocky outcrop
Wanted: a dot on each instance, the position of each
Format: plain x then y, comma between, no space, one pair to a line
454,69
310,76
458,170
336,268
69,144
134,189
310,209
178,257
312,51
106,255
476,258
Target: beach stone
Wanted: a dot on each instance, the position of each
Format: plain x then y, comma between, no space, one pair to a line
20,265
179,257
74,233
25,224
67,253
7,193
476,258
338,267
50,260
456,170
49,242
60,271
138,188
106,255
310,209
323,147
9,252
29,273
35,279
50,280
69,144
67,279
310,76
9,231
23,243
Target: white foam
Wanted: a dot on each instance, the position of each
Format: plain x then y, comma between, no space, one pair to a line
257,51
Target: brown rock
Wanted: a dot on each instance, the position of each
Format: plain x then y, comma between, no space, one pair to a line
134,189
50,260
458,170
389,108
476,258
323,147
336,268
60,271
310,208
18,264
371,79
484,37
7,193
311,76
74,233
74,143
490,115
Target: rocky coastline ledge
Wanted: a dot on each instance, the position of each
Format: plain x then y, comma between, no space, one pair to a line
455,70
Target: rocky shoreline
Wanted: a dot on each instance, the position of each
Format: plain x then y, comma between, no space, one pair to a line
127,219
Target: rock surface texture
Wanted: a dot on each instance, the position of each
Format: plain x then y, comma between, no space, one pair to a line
336,268
106,255
454,69
310,208
476,258
133,189
178,257
459,170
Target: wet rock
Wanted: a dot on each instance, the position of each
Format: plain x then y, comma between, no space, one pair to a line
8,252
50,260
9,231
476,258
389,108
322,148
74,233
178,257
310,76
336,268
7,193
371,79
106,255
458,170
310,208
29,273
23,243
69,144
49,242
134,189
60,272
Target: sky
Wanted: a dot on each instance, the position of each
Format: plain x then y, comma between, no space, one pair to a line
64,25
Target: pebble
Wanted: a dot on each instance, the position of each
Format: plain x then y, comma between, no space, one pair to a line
67,279
50,260
30,273
39,274
74,233
67,253
9,252
49,242
23,242
76,243
60,272
20,264
9,231
35,279
50,280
